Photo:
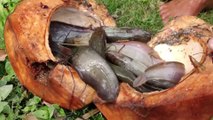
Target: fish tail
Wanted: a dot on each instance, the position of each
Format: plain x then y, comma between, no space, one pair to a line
140,80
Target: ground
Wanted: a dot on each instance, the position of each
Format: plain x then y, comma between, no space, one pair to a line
17,103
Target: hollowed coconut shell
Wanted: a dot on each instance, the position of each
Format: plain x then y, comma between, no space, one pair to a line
27,45
26,35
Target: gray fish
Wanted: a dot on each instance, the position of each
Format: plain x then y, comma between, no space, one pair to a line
151,87
95,71
171,71
126,62
165,74
123,75
114,34
136,50
164,84
127,77
66,34
60,52
69,34
75,17
98,41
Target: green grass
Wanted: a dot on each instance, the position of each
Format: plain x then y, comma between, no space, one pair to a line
6,7
16,102
135,13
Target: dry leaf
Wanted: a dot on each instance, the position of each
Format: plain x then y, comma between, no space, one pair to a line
30,116
3,55
88,115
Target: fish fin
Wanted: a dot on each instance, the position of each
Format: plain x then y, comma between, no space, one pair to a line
154,54
197,65
141,79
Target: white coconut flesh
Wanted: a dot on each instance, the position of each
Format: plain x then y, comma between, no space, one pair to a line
181,53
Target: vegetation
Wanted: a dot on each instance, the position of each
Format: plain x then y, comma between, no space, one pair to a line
17,103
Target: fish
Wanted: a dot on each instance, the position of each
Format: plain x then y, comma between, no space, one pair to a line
137,51
95,71
163,75
75,17
61,53
126,62
127,77
98,41
125,33
70,35
122,74
163,84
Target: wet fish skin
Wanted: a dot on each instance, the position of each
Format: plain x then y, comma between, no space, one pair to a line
127,77
69,34
65,33
60,52
122,74
161,83
75,17
151,87
95,71
98,41
171,71
162,75
114,34
137,51
126,62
